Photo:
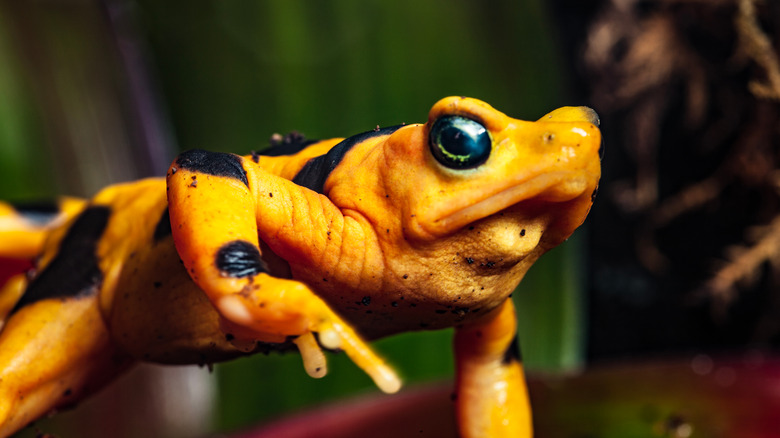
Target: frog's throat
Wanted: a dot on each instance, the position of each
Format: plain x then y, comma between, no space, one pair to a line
550,187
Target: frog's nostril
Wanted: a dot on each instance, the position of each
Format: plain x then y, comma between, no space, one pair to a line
590,115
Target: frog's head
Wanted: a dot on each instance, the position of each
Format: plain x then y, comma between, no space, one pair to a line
477,162
474,194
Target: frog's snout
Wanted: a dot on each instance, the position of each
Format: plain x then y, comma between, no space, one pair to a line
590,115
573,114
593,117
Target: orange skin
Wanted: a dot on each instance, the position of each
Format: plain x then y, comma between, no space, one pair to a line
21,238
395,241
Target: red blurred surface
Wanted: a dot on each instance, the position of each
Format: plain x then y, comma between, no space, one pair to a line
10,267
696,397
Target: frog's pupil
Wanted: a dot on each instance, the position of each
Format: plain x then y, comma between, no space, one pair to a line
458,142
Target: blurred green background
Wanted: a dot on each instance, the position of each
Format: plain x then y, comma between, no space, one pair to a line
95,92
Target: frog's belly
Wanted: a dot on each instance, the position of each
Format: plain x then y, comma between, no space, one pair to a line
160,315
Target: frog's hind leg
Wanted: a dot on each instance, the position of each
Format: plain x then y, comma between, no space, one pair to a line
53,353
24,227
55,347
10,292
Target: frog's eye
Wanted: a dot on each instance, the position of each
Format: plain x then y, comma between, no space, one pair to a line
459,143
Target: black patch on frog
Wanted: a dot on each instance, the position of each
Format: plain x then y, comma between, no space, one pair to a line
240,258
213,163
39,213
290,144
316,170
163,227
512,353
74,271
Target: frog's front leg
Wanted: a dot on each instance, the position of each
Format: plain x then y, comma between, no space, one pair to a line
492,399
213,200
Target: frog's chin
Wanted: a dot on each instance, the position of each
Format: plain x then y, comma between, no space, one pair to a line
552,187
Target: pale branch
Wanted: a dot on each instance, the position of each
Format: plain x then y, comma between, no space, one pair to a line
745,263
757,46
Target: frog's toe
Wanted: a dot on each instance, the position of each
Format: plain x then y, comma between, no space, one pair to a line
337,332
234,309
329,337
314,361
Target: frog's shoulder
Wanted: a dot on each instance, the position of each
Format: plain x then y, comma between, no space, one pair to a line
306,162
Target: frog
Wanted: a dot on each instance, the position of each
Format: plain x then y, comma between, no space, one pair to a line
310,245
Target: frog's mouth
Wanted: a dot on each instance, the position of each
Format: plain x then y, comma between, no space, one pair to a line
554,187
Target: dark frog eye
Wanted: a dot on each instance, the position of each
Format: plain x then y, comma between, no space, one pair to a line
459,143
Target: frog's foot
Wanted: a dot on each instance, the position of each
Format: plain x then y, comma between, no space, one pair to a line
275,310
